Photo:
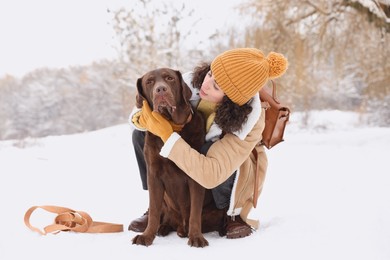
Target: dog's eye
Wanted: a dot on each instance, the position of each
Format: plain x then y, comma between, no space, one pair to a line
170,78
149,81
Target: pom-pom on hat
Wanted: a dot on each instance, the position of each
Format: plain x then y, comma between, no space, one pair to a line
242,72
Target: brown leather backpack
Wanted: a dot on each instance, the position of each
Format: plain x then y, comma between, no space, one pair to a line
276,117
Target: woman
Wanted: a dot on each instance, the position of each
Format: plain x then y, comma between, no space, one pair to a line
235,125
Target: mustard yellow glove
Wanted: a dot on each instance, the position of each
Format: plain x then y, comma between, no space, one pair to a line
155,123
135,120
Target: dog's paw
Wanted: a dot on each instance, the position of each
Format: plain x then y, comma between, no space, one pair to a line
143,240
181,232
164,230
198,241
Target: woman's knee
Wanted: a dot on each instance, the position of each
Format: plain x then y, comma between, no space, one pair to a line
138,138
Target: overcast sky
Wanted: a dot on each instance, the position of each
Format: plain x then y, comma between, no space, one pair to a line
47,33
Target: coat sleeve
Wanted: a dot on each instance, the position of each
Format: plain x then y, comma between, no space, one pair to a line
223,158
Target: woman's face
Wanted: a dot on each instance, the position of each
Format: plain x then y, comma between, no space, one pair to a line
210,91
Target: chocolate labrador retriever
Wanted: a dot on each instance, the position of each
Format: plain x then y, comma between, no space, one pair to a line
175,200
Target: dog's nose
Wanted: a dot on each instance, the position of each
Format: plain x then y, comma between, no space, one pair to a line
161,89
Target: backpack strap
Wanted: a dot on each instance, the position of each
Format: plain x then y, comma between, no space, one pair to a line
256,186
70,220
265,105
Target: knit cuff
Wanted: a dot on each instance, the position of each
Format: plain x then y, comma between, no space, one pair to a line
167,148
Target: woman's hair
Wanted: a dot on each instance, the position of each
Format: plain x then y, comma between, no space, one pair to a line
228,115
199,73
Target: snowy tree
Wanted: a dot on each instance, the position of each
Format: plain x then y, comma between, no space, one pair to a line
152,35
52,102
338,50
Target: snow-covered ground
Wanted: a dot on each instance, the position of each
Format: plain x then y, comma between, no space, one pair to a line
327,196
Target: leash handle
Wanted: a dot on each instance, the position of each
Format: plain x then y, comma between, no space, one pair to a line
70,220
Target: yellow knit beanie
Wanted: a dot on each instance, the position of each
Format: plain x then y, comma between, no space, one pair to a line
242,72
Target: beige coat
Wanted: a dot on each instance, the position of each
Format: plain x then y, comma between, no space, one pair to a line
224,157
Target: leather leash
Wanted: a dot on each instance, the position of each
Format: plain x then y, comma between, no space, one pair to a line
70,220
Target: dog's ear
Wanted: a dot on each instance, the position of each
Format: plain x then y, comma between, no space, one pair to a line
186,91
140,95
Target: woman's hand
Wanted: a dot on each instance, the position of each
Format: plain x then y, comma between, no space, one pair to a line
155,123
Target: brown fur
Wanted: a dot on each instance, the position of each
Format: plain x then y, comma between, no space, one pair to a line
175,200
